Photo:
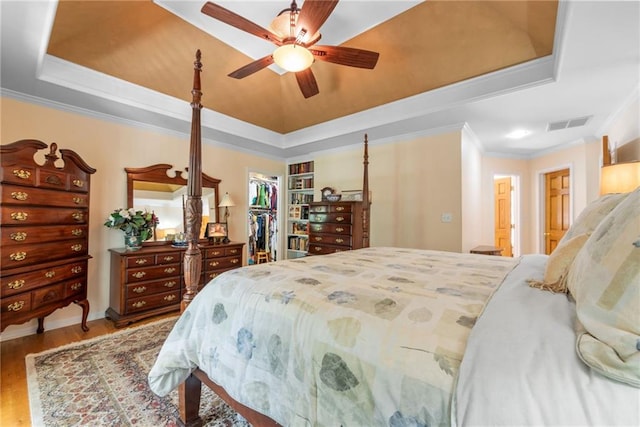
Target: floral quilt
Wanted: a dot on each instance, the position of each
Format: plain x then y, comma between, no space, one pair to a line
368,337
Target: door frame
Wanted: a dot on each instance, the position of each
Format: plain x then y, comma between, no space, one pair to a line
516,231
540,200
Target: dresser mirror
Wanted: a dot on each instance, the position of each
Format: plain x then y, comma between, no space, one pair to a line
156,188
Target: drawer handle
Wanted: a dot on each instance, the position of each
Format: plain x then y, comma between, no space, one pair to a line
317,249
18,256
19,236
16,306
141,261
234,251
235,261
53,179
170,284
340,208
339,241
139,304
318,239
16,284
19,195
214,263
168,258
19,216
339,229
169,270
78,183
216,253
22,174
140,290
49,274
77,232
78,200
76,269
169,298
76,247
78,216
340,219
139,274
76,286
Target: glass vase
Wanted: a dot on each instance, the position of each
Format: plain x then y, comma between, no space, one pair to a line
132,241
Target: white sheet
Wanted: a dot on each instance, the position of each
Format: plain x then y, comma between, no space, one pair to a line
521,367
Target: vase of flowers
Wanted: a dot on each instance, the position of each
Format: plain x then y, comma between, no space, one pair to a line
137,225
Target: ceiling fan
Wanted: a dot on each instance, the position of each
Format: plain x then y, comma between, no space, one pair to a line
295,32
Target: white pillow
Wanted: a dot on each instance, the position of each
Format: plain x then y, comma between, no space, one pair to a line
605,281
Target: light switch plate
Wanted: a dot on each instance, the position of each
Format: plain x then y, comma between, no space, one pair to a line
446,217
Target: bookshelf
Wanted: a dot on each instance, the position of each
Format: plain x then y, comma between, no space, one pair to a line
299,195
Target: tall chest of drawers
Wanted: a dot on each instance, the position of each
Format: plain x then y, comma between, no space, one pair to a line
43,232
335,227
150,281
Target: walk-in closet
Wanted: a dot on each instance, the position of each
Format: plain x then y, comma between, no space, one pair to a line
262,218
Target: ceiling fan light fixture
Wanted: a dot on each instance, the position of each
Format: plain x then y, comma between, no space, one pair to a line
293,58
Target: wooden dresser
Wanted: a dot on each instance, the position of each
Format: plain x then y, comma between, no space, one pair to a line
43,232
334,227
150,281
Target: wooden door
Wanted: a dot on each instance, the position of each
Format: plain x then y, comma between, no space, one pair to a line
502,222
557,194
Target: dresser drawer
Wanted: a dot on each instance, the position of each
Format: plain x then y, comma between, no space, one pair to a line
338,218
16,304
210,275
331,208
17,283
343,229
135,275
152,301
18,215
141,261
222,251
22,175
136,290
76,287
23,255
41,234
47,295
331,239
319,249
222,262
17,195
168,258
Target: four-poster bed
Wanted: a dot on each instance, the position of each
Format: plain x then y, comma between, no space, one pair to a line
376,336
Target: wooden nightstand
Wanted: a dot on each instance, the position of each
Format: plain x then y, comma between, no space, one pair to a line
486,250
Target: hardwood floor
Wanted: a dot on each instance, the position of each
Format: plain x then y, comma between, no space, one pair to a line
14,403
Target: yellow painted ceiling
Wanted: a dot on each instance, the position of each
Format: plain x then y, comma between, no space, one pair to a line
431,45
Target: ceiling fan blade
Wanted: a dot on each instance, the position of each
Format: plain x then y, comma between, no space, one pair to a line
349,56
231,18
313,14
252,67
307,82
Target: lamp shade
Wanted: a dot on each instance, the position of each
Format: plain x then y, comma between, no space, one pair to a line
293,57
620,177
226,201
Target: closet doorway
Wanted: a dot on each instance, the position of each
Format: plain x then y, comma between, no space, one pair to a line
263,222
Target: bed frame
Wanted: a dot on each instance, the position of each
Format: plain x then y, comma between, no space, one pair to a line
189,392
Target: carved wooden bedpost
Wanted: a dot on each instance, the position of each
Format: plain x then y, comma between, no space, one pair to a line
366,206
192,256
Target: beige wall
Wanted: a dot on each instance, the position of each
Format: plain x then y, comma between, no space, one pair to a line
109,148
471,192
412,183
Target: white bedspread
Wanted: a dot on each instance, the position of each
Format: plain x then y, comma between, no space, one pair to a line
521,368
359,338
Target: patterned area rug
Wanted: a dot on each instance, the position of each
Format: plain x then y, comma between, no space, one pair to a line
103,382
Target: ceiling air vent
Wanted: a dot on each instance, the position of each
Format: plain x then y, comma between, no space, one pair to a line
565,124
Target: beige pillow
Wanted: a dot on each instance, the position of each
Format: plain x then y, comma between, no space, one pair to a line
605,281
557,269
592,214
